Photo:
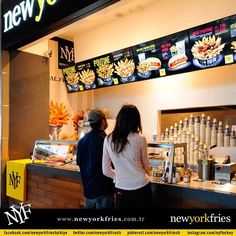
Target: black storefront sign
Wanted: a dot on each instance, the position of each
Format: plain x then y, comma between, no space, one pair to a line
205,46
66,53
24,21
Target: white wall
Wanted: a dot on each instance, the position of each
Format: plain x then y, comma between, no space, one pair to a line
209,87
40,48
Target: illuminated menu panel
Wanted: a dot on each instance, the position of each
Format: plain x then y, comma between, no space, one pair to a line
232,40
147,61
205,46
104,70
124,66
208,44
86,74
71,79
174,53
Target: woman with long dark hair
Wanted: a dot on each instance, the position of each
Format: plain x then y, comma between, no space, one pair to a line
126,149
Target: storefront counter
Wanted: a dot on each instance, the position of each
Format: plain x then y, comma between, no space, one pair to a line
201,195
49,187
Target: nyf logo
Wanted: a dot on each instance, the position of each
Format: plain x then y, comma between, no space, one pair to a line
18,214
67,54
14,179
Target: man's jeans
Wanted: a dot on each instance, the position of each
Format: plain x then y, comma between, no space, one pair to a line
102,202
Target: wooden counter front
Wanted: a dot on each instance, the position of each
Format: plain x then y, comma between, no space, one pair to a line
49,187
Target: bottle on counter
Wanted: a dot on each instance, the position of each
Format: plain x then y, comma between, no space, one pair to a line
175,138
214,132
177,176
178,152
174,175
176,129
220,135
180,133
175,133
232,140
192,144
167,135
171,134
174,180
191,124
185,129
179,137
186,178
184,136
188,141
197,127
180,128
162,137
208,132
226,136
203,129
186,124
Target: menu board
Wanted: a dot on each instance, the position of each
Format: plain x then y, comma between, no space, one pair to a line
208,44
86,75
146,60
174,53
104,70
205,46
232,39
71,78
124,66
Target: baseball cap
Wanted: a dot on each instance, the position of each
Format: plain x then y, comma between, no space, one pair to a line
95,115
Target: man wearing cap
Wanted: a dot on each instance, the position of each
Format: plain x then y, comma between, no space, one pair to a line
98,189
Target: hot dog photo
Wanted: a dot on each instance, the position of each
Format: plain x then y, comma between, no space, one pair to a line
175,53
177,61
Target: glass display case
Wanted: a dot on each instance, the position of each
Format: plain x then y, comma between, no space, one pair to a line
162,158
55,153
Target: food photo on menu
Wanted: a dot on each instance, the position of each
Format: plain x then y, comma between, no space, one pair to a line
209,44
86,75
71,78
146,60
104,70
124,65
232,35
174,53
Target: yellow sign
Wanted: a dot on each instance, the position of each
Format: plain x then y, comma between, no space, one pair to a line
116,81
117,232
229,59
162,72
16,179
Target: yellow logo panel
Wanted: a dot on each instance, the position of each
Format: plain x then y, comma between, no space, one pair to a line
16,179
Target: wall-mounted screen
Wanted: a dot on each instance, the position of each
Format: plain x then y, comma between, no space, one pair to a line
205,46
147,61
174,53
